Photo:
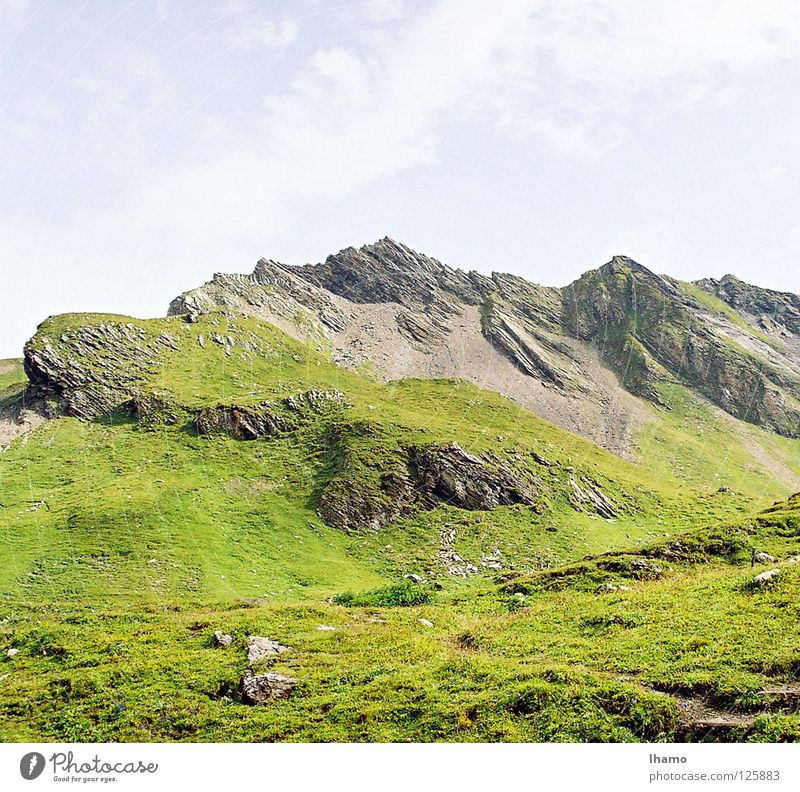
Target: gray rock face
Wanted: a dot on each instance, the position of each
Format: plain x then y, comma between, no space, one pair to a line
262,689
652,329
94,368
405,313
448,474
773,311
414,478
260,649
575,355
268,419
588,496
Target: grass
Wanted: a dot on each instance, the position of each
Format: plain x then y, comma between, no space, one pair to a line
12,376
696,445
400,595
125,545
572,664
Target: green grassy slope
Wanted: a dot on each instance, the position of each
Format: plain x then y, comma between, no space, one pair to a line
12,376
665,659
125,545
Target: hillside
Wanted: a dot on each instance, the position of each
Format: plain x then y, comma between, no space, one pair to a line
306,454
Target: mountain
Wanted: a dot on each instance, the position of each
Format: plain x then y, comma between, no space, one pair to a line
465,507
574,356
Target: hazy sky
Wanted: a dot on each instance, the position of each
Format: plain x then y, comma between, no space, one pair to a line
147,145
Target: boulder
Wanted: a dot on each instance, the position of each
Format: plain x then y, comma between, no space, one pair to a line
222,640
261,689
766,578
260,648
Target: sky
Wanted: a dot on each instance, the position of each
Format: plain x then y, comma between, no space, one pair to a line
147,144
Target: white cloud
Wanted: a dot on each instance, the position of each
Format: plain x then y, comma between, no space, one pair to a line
12,14
258,31
384,10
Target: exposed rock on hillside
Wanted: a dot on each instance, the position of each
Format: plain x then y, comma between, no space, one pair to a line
577,356
267,419
92,368
262,689
589,496
448,474
407,314
374,480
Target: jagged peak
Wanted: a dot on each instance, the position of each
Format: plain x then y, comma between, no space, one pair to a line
388,253
626,263
267,269
620,265
723,281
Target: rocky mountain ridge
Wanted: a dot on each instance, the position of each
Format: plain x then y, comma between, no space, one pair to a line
579,356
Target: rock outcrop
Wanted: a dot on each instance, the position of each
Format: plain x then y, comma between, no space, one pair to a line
375,483
578,356
446,474
263,689
90,369
404,314
770,311
260,649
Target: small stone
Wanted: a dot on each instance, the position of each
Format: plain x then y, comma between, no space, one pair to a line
614,587
765,578
425,622
223,640
326,628
260,648
412,576
11,652
261,689
763,558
